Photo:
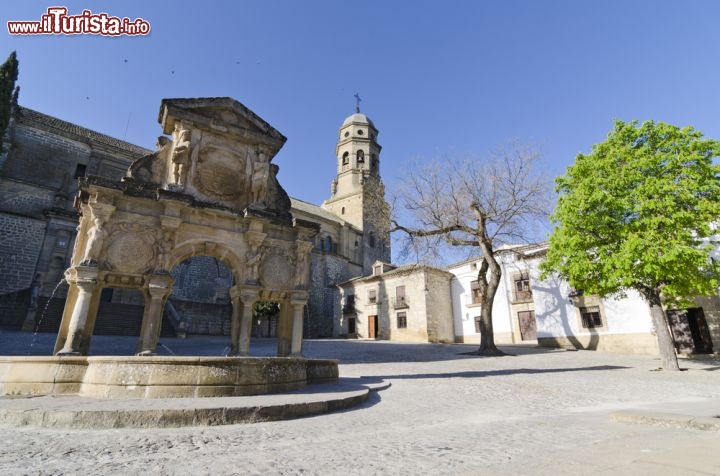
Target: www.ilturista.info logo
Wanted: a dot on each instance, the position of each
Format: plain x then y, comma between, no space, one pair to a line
57,22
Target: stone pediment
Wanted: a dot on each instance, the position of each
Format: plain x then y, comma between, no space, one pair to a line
222,115
219,152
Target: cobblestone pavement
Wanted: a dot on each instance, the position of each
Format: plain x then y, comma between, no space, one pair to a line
536,412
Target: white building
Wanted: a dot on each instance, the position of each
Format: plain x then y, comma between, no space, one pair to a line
513,310
549,312
420,303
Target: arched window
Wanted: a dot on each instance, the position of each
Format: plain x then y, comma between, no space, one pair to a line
360,157
342,211
371,240
346,158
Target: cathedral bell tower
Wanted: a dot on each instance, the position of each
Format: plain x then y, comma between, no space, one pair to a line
358,194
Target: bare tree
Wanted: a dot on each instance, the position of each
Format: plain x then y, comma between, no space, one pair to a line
479,204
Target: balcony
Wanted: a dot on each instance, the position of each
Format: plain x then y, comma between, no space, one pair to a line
400,302
349,308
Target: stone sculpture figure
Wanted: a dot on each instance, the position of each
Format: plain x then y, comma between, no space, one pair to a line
96,236
301,270
252,260
260,176
163,248
181,154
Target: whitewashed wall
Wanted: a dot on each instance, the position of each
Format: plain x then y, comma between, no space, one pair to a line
464,312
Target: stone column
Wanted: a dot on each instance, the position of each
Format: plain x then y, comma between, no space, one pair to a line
157,290
243,300
85,280
297,327
235,320
285,329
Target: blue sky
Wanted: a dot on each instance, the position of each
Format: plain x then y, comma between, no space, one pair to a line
452,77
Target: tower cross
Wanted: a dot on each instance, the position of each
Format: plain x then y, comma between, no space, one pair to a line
357,102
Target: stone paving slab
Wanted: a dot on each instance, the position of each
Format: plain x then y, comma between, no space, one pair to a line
536,412
667,419
703,415
71,411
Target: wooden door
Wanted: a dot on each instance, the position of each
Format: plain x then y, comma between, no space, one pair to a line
528,328
372,327
700,331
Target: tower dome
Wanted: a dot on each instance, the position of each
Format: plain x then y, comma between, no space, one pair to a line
358,117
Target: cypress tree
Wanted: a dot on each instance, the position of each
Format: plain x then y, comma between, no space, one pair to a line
8,76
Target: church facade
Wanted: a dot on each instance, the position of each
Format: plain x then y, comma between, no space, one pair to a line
39,170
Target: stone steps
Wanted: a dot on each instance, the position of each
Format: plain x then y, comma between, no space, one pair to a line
71,411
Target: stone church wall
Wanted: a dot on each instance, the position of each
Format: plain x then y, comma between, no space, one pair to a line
327,270
21,198
21,240
202,279
34,149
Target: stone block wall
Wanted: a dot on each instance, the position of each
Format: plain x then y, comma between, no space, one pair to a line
327,270
21,239
202,279
439,307
21,198
204,318
45,157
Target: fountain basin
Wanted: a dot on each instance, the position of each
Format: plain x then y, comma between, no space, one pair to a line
160,376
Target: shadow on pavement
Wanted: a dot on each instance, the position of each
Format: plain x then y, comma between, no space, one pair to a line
500,372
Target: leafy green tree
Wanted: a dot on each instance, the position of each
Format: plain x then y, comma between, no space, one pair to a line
639,213
8,76
266,308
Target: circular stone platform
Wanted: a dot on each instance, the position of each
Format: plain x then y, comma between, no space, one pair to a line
160,376
74,411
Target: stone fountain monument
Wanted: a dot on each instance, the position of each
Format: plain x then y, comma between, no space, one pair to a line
210,189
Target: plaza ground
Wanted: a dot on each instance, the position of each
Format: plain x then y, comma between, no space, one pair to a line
539,411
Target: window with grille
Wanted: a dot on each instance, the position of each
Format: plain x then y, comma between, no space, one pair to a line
402,320
522,289
372,296
591,317
475,292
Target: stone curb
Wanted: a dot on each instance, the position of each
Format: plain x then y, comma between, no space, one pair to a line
668,420
84,413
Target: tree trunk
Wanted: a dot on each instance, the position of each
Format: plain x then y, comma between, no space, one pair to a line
487,335
666,346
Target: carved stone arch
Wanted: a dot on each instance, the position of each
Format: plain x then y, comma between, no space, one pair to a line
133,232
219,251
